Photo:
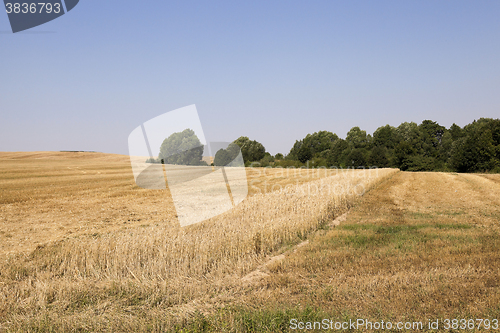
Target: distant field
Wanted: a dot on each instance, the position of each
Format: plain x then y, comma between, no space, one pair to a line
76,233
50,196
47,196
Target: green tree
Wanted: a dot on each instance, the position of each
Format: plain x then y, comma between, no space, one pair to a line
432,132
304,154
410,133
476,150
251,150
356,158
313,145
431,136
337,155
266,160
226,157
356,138
292,155
495,131
456,132
404,155
182,148
410,153
425,147
222,158
446,147
319,141
385,136
378,157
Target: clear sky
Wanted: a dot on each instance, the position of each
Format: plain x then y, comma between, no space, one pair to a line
270,70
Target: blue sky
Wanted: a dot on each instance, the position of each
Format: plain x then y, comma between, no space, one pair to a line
270,70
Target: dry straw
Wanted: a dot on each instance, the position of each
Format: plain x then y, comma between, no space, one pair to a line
177,263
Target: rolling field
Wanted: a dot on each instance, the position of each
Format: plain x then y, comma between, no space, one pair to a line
48,196
84,248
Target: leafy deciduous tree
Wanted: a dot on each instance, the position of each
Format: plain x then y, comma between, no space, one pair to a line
182,148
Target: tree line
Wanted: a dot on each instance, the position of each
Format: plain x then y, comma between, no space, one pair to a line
409,147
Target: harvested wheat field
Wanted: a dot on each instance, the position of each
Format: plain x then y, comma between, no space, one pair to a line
418,247
47,196
83,248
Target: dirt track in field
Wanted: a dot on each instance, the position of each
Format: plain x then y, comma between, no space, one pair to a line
420,245
452,197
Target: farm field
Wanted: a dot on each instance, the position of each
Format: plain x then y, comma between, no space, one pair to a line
76,232
420,246
82,248
48,196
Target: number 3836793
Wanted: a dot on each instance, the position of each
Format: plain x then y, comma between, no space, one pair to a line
33,8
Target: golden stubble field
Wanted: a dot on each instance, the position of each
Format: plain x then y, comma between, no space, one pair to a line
82,245
82,248
49,196
418,247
